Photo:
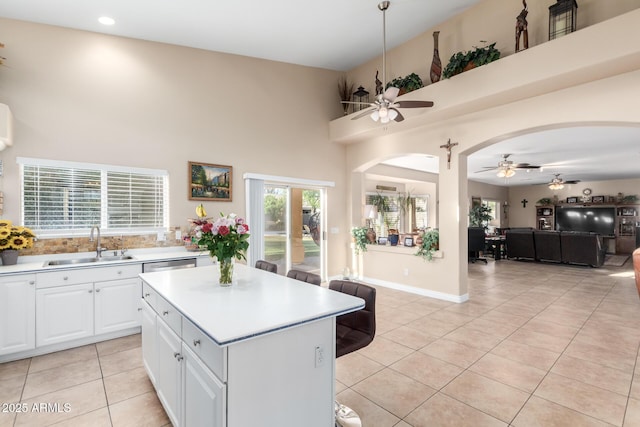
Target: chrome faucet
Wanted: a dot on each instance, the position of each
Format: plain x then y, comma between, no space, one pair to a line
99,248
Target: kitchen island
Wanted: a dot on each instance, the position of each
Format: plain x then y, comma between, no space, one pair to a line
258,353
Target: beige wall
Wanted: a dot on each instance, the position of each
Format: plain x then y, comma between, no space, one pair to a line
87,97
489,20
526,217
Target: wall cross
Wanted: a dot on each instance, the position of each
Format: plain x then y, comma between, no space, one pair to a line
524,202
448,147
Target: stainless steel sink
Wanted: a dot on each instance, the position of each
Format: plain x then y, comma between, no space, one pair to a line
88,260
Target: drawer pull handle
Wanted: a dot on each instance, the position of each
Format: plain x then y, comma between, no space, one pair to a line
164,313
139,308
97,290
65,278
196,342
32,282
119,272
147,295
178,356
90,291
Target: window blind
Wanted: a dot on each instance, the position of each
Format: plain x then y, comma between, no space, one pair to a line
59,196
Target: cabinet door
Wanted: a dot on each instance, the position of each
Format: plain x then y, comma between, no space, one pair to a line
17,314
149,349
169,378
116,305
204,395
64,313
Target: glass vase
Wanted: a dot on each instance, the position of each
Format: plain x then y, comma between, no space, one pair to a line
226,271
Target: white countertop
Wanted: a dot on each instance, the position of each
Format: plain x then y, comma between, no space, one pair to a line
259,303
36,263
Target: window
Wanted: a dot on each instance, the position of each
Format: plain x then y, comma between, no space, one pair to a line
415,215
65,196
494,207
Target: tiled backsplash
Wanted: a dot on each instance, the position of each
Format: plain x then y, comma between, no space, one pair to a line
62,245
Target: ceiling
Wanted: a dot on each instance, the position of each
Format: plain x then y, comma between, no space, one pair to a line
340,35
594,153
331,34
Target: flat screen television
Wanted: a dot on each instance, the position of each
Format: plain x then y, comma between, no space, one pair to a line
599,220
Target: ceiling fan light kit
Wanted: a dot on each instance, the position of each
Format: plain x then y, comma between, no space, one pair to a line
385,108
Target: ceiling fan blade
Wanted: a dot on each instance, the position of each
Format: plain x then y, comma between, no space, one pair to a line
399,117
371,104
571,181
524,166
487,169
362,114
414,104
391,93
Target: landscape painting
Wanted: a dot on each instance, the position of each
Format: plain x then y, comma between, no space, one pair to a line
210,182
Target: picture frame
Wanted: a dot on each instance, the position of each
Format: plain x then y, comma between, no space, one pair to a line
382,240
597,199
210,182
628,212
408,241
572,200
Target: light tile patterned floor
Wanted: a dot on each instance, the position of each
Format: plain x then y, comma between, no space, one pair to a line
536,345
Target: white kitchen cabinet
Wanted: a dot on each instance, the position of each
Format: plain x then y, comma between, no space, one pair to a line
204,397
116,305
169,379
17,313
149,340
64,313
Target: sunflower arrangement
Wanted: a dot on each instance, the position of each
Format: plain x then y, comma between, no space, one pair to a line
14,237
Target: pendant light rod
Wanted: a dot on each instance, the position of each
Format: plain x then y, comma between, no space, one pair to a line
383,6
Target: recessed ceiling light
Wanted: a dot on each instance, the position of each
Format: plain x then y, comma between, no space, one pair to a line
105,20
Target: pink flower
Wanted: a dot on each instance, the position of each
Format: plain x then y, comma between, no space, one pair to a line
223,230
243,229
239,220
207,227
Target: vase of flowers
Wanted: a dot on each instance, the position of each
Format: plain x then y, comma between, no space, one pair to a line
12,239
226,238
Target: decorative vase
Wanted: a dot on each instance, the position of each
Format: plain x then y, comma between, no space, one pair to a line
226,271
393,239
436,64
9,256
371,235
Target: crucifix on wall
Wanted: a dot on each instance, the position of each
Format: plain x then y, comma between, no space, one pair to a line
524,202
448,147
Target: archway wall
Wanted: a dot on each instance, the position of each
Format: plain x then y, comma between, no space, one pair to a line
613,100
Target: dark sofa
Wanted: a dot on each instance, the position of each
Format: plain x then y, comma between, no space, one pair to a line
556,246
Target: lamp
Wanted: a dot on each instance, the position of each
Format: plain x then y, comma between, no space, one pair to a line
362,96
556,186
562,18
370,214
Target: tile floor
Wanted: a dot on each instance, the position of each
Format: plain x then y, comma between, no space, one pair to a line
536,345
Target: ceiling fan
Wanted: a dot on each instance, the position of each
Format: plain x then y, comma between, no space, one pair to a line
507,168
558,183
385,107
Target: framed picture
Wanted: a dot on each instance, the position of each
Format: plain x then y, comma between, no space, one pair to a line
597,199
382,240
572,200
210,182
628,212
408,241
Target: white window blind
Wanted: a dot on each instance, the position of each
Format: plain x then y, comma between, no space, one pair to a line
58,196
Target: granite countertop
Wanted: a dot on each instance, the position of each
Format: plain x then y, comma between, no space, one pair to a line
259,303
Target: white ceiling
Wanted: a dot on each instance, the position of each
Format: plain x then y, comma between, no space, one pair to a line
339,35
332,34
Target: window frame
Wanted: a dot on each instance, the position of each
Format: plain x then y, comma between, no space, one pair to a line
103,170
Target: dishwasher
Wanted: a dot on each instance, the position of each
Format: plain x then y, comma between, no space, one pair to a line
149,267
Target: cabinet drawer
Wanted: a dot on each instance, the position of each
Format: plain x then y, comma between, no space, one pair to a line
211,354
150,296
52,279
168,314
75,276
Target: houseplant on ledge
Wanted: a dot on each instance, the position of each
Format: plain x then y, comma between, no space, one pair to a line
406,84
464,61
12,239
429,244
360,240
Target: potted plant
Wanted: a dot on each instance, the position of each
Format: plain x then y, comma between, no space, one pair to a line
393,235
406,84
479,216
545,201
12,239
429,244
359,239
464,61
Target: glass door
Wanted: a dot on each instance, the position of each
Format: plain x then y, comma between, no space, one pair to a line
293,224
